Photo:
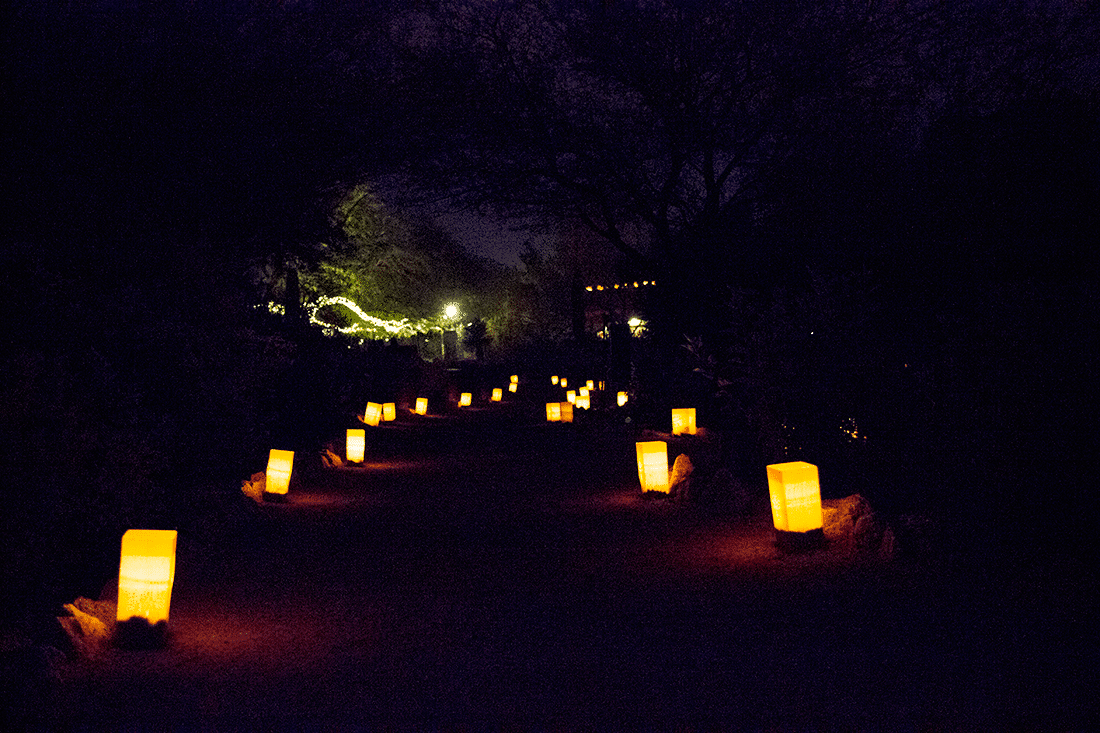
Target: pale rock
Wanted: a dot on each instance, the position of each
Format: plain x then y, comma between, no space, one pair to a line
679,480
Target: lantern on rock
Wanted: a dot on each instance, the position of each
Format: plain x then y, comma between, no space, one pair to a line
498,394
146,571
356,445
389,411
373,414
421,406
465,399
683,421
553,411
796,504
280,465
653,465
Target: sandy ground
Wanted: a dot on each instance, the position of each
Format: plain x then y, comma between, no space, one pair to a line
476,578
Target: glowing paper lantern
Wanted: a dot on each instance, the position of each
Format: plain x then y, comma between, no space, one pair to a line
373,414
564,382
146,570
622,397
389,411
465,399
590,384
584,391
683,421
571,396
653,465
584,401
603,385
513,386
796,496
554,380
515,379
280,464
566,412
498,393
553,411
356,445
421,406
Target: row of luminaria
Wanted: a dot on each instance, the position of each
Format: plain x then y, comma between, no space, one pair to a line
147,564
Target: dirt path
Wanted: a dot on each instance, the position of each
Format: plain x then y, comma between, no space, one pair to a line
526,584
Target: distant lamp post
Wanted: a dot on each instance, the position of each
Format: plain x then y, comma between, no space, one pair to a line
653,465
356,445
796,504
450,315
683,421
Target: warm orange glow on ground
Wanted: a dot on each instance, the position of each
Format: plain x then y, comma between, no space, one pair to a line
146,571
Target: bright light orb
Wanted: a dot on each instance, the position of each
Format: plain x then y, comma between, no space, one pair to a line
450,310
